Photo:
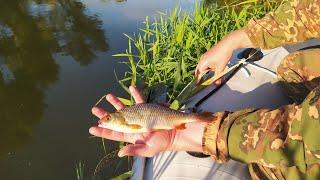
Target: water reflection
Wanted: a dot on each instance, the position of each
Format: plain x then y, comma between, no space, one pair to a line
31,33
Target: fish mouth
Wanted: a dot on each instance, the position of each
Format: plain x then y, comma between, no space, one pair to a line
102,124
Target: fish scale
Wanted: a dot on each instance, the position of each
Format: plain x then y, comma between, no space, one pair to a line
152,114
147,117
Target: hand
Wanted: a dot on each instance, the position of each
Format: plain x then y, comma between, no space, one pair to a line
151,143
217,58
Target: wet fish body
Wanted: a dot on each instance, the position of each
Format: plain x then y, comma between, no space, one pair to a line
148,117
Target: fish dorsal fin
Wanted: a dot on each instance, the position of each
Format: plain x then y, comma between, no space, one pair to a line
163,104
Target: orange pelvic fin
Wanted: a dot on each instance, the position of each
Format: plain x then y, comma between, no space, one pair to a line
206,114
181,126
135,126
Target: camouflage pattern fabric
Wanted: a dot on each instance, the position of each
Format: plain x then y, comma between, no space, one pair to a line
282,143
294,21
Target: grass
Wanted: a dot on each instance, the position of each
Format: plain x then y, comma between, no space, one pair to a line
125,175
80,171
167,49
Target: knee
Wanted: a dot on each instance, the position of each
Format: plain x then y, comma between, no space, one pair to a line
299,73
301,67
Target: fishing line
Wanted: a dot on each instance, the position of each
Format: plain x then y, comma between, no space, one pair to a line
100,100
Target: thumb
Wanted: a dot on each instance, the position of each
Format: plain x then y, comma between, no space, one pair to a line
200,72
135,150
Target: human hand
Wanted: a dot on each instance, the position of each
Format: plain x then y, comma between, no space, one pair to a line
217,58
150,143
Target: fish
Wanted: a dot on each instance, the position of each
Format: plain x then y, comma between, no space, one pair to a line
147,117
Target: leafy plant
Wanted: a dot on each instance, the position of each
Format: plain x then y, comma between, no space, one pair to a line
167,49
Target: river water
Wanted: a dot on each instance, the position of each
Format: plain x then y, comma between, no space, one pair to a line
55,63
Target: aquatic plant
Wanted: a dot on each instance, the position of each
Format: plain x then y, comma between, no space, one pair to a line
167,49
80,171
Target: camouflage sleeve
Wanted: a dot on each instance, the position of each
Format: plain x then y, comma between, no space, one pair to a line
279,138
294,21
282,138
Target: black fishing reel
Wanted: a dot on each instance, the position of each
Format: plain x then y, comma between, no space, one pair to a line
251,54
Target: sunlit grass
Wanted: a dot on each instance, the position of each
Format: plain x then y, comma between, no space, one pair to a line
168,48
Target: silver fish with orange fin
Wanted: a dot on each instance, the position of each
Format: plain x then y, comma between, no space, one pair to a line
149,117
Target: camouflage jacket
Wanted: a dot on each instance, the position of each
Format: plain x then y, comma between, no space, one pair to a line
280,143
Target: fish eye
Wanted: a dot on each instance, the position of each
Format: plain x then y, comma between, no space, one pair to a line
106,118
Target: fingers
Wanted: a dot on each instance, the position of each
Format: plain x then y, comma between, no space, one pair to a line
116,103
119,105
218,71
99,112
108,134
198,74
202,73
136,150
197,71
138,98
218,82
201,68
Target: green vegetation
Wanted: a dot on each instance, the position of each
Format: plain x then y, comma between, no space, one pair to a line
80,171
168,49
125,175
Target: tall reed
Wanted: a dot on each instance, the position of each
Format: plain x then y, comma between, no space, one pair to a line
167,49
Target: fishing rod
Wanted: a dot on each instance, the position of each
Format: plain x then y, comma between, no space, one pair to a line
248,55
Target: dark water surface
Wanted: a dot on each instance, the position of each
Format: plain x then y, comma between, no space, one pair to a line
55,63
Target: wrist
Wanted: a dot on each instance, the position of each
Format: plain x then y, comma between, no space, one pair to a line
233,41
189,139
240,39
210,135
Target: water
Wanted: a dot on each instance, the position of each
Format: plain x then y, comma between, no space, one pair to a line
55,63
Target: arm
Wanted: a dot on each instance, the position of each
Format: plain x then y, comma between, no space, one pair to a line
279,138
292,22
